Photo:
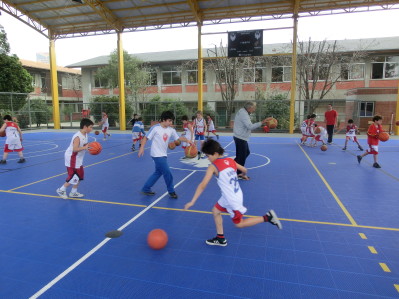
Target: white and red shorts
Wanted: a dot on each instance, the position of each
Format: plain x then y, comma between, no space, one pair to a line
234,208
104,130
75,175
137,136
373,149
8,148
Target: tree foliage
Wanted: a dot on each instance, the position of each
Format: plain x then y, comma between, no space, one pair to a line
274,105
4,45
109,105
39,111
153,109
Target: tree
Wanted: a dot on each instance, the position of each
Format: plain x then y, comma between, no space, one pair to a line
136,75
39,111
110,105
13,78
228,71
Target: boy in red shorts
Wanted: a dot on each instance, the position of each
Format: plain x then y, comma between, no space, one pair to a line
13,139
372,139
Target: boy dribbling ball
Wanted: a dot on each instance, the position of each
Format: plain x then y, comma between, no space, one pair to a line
231,200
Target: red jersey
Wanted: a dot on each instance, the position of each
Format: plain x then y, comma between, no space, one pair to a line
331,117
372,134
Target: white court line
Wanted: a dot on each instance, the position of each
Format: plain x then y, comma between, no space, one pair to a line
87,255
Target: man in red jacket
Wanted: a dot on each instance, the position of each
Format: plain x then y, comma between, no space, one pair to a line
330,117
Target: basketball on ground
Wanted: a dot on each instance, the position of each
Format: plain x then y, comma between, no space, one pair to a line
157,239
397,123
177,142
317,130
3,134
383,136
324,147
271,122
97,132
172,145
95,148
191,151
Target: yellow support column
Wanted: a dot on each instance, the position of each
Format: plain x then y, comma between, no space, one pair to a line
200,70
293,68
54,84
121,68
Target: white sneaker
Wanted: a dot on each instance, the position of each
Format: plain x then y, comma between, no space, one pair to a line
273,219
61,193
76,194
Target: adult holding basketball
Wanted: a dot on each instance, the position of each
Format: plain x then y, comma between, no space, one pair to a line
330,118
241,133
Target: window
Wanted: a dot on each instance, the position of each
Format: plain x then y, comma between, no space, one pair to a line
251,75
192,77
366,109
171,76
385,67
97,81
353,71
281,74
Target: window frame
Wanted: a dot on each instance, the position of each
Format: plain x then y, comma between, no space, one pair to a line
365,103
350,72
284,73
171,71
384,67
196,76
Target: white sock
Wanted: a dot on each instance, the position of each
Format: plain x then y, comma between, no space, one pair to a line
63,188
74,190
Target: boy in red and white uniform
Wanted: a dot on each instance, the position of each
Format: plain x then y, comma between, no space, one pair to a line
188,131
231,200
307,128
320,136
211,127
200,128
105,125
74,159
372,139
351,130
13,139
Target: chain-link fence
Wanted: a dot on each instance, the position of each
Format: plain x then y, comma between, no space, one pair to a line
34,112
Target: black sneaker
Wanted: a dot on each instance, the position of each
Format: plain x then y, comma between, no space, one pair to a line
217,241
21,160
217,137
3,162
376,165
360,148
149,193
344,148
359,159
133,148
273,219
173,195
199,155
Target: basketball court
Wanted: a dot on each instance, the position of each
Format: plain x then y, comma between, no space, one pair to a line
339,238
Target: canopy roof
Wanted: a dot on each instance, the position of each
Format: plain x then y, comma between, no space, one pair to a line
67,18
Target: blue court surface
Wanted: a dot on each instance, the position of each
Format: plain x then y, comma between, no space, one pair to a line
340,236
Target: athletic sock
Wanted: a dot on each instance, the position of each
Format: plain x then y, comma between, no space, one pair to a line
265,218
63,188
220,236
74,190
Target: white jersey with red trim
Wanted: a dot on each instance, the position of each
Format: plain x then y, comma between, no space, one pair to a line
199,126
232,197
211,126
13,139
105,122
75,159
186,133
351,130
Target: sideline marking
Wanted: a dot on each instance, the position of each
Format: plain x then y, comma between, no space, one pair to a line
101,244
363,236
396,287
341,205
202,212
372,249
385,267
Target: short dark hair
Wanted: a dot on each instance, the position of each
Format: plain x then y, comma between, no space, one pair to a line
315,125
184,117
308,116
313,116
85,122
377,117
350,121
211,147
7,117
167,115
139,118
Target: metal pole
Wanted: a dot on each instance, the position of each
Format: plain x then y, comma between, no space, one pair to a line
293,68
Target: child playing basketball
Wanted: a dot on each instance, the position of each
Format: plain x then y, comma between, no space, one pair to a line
105,125
211,127
372,140
200,128
137,132
231,200
351,130
74,159
160,134
307,128
320,136
13,139
188,131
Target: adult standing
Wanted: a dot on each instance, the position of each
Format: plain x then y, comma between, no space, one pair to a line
330,117
241,133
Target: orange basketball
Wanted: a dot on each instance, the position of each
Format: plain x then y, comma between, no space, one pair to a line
317,130
397,123
266,129
191,151
383,136
97,132
324,147
95,148
3,134
177,142
172,145
271,122
157,239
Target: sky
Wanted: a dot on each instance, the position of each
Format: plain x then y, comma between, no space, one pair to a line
26,42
